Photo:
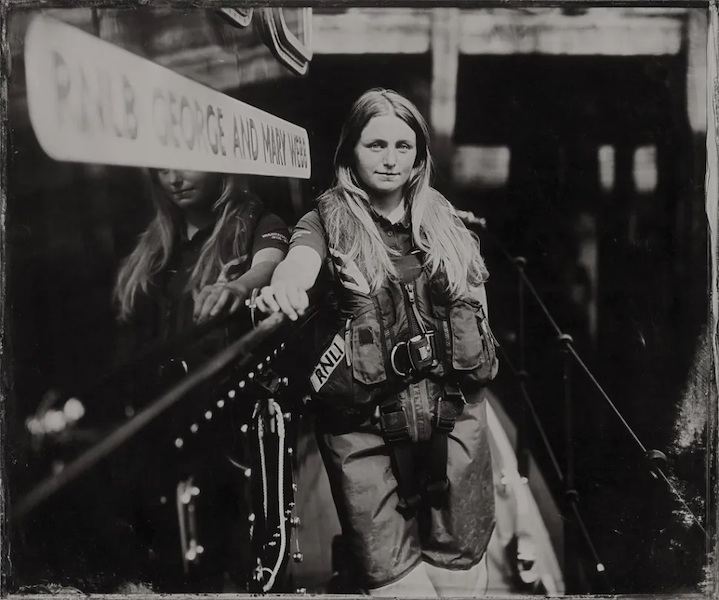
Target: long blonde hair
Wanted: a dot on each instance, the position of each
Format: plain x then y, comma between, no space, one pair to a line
449,247
155,245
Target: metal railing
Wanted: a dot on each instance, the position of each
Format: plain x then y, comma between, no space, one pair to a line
655,459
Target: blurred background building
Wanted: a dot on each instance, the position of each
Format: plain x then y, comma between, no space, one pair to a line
578,134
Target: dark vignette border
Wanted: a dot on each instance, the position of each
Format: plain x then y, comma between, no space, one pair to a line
711,584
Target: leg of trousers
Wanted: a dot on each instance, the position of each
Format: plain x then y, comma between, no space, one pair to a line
415,584
450,583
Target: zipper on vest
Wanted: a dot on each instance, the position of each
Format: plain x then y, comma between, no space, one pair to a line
348,348
413,311
416,327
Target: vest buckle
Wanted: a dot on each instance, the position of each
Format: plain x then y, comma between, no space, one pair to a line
415,355
395,426
446,415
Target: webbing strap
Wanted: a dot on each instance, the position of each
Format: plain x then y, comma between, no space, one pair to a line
402,456
448,408
402,450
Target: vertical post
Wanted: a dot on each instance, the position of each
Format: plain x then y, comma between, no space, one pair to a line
566,340
443,100
522,450
571,564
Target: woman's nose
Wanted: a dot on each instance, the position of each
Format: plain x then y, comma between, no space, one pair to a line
390,157
174,177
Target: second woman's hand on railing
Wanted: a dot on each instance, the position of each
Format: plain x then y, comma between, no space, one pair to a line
218,298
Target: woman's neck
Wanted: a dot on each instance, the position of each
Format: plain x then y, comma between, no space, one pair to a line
196,220
389,206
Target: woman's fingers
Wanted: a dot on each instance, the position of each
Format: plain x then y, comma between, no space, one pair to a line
236,303
212,299
281,296
200,299
298,299
220,303
209,301
266,300
290,300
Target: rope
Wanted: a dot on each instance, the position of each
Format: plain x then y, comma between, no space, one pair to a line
280,425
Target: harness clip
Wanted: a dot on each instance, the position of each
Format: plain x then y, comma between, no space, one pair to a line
394,425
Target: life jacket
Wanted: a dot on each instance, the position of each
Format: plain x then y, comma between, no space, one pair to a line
378,343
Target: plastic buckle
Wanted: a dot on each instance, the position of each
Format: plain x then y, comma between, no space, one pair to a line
408,506
438,487
394,425
422,354
418,354
445,417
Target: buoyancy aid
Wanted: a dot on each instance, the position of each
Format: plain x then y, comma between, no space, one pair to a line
408,330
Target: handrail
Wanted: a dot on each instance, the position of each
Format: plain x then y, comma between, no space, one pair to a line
535,416
155,352
239,352
476,223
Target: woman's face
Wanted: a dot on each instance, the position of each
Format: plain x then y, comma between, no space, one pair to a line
385,155
190,190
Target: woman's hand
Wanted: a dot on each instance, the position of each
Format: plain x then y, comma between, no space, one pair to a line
285,296
218,297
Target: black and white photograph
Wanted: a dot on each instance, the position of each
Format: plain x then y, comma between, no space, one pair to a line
404,300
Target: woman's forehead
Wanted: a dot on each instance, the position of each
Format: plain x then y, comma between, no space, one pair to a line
389,125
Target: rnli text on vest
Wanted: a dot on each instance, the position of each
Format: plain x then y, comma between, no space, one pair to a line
327,363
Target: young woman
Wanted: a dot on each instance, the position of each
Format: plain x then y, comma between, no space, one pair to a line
209,243
408,459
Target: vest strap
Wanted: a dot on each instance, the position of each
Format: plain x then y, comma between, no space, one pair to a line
395,428
447,409
393,419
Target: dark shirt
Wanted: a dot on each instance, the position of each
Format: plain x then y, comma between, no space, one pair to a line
175,301
396,236
309,231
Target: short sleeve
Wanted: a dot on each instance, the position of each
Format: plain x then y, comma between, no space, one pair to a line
270,232
309,231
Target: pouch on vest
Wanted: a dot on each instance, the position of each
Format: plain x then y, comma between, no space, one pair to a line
473,345
351,368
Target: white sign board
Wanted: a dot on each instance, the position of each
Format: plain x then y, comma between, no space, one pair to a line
91,101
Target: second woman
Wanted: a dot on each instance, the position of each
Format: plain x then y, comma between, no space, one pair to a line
210,242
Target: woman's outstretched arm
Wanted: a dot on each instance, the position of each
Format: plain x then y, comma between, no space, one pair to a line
291,281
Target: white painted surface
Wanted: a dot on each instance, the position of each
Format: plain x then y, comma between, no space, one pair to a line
93,102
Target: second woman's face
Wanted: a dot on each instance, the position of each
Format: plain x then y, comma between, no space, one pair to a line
195,190
385,155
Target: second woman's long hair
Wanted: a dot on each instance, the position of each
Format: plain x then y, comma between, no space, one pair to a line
449,247
154,247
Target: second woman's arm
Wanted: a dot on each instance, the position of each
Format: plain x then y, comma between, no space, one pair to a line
269,247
